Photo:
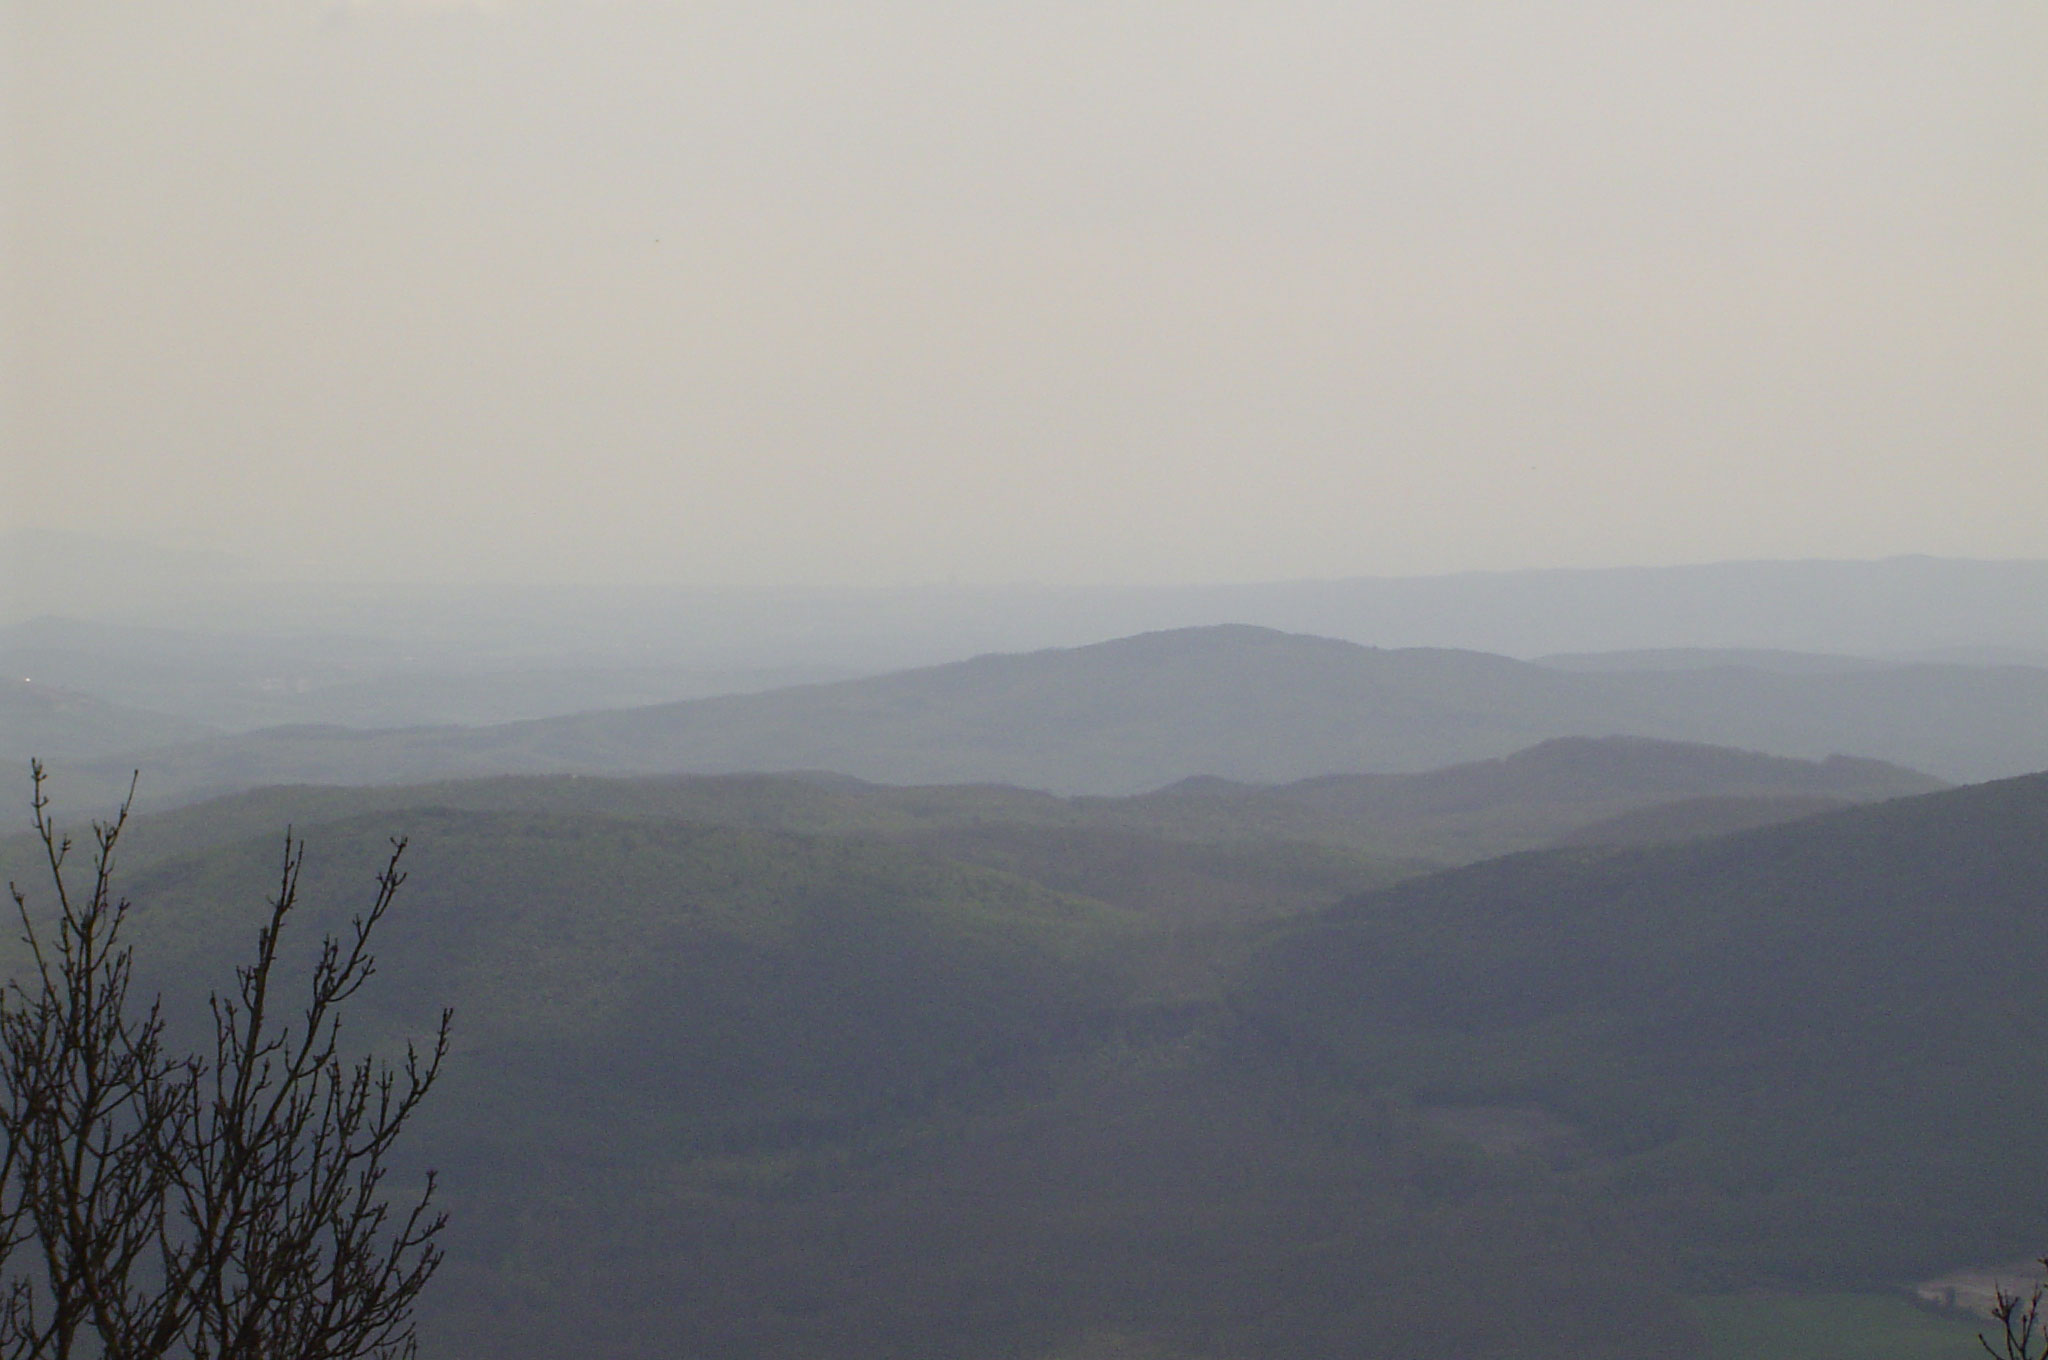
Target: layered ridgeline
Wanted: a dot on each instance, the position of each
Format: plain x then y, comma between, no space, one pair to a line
1238,702
1586,790
1580,789
155,620
778,1067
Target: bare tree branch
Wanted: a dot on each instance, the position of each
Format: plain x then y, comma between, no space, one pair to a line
229,1207
2019,1317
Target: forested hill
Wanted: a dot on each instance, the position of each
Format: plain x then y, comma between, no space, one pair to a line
1141,712
748,1094
945,1072
1816,1052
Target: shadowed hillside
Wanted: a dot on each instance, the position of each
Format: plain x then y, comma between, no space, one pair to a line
1814,1051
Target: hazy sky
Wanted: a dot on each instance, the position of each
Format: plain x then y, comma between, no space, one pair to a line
1027,289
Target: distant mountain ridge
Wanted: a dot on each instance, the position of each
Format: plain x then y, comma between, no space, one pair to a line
1139,713
1585,790
1608,767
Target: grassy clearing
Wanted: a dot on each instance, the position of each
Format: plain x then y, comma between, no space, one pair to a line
1832,1327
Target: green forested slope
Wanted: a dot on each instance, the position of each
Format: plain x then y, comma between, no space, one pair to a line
763,976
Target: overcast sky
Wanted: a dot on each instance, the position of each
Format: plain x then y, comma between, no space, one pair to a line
1027,290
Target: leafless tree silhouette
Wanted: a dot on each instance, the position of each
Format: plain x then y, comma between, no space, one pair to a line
223,1207
2020,1317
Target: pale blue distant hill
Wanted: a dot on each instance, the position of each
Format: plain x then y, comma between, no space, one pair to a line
1245,703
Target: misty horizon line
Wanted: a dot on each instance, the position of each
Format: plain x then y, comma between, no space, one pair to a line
20,544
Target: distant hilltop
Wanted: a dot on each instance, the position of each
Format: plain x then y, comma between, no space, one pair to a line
1245,703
